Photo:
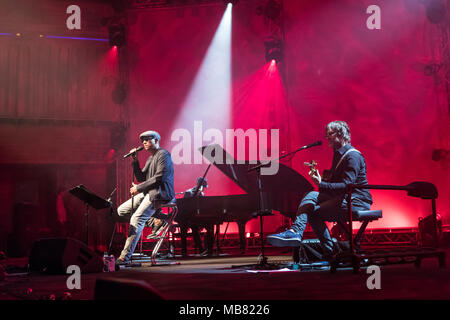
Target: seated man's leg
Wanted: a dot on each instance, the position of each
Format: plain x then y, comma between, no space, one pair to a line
328,210
197,238
126,208
293,236
137,223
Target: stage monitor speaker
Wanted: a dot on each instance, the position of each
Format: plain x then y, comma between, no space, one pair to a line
125,289
54,255
311,250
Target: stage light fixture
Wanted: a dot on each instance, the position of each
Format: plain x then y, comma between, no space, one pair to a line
271,10
116,35
274,50
436,11
233,2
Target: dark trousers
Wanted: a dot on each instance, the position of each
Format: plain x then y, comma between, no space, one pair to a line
316,208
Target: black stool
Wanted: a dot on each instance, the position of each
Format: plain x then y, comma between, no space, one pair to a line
419,189
312,246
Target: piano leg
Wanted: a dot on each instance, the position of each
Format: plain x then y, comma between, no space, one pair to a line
217,237
183,231
197,238
210,239
242,242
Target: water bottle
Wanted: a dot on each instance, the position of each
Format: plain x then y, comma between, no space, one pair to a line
108,263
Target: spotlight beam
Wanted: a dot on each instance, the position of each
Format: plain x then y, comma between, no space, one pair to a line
209,97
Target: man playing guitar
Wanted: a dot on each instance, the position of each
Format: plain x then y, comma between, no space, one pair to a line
330,202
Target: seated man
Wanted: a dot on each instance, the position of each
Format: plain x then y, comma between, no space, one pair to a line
156,187
202,183
330,203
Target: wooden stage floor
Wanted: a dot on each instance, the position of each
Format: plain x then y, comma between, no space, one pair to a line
216,278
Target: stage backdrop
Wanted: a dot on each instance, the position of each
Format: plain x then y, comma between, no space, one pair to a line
334,68
59,123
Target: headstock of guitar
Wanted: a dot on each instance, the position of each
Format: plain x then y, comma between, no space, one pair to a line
312,166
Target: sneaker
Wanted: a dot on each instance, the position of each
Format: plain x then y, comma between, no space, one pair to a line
152,236
157,230
287,238
122,262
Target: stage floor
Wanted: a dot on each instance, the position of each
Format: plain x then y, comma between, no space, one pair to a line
225,277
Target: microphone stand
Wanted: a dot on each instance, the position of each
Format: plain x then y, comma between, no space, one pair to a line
284,156
111,211
134,156
262,210
132,181
110,202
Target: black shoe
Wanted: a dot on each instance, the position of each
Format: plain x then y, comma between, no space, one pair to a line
157,230
122,262
149,223
330,258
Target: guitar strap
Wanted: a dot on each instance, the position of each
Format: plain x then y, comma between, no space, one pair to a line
343,156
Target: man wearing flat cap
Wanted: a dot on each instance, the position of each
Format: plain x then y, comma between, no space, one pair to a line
154,189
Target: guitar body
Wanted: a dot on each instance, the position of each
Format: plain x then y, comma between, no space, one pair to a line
326,175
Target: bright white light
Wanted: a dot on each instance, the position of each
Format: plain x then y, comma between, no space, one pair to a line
209,99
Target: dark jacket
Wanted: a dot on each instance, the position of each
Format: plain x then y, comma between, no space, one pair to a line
351,170
156,177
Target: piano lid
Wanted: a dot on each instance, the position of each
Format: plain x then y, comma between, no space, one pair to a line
286,179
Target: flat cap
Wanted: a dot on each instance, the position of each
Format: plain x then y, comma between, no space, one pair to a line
150,134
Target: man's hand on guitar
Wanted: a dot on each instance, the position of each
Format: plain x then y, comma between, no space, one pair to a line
315,176
314,173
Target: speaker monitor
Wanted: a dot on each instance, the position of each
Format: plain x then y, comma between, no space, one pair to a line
54,255
311,250
125,289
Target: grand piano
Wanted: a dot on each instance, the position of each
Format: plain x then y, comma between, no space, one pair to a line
281,192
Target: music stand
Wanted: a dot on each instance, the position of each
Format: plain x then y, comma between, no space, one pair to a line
90,199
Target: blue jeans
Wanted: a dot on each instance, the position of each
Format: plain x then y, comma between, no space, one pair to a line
316,208
141,211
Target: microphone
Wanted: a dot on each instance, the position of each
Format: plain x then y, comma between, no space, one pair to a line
317,143
110,196
130,153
